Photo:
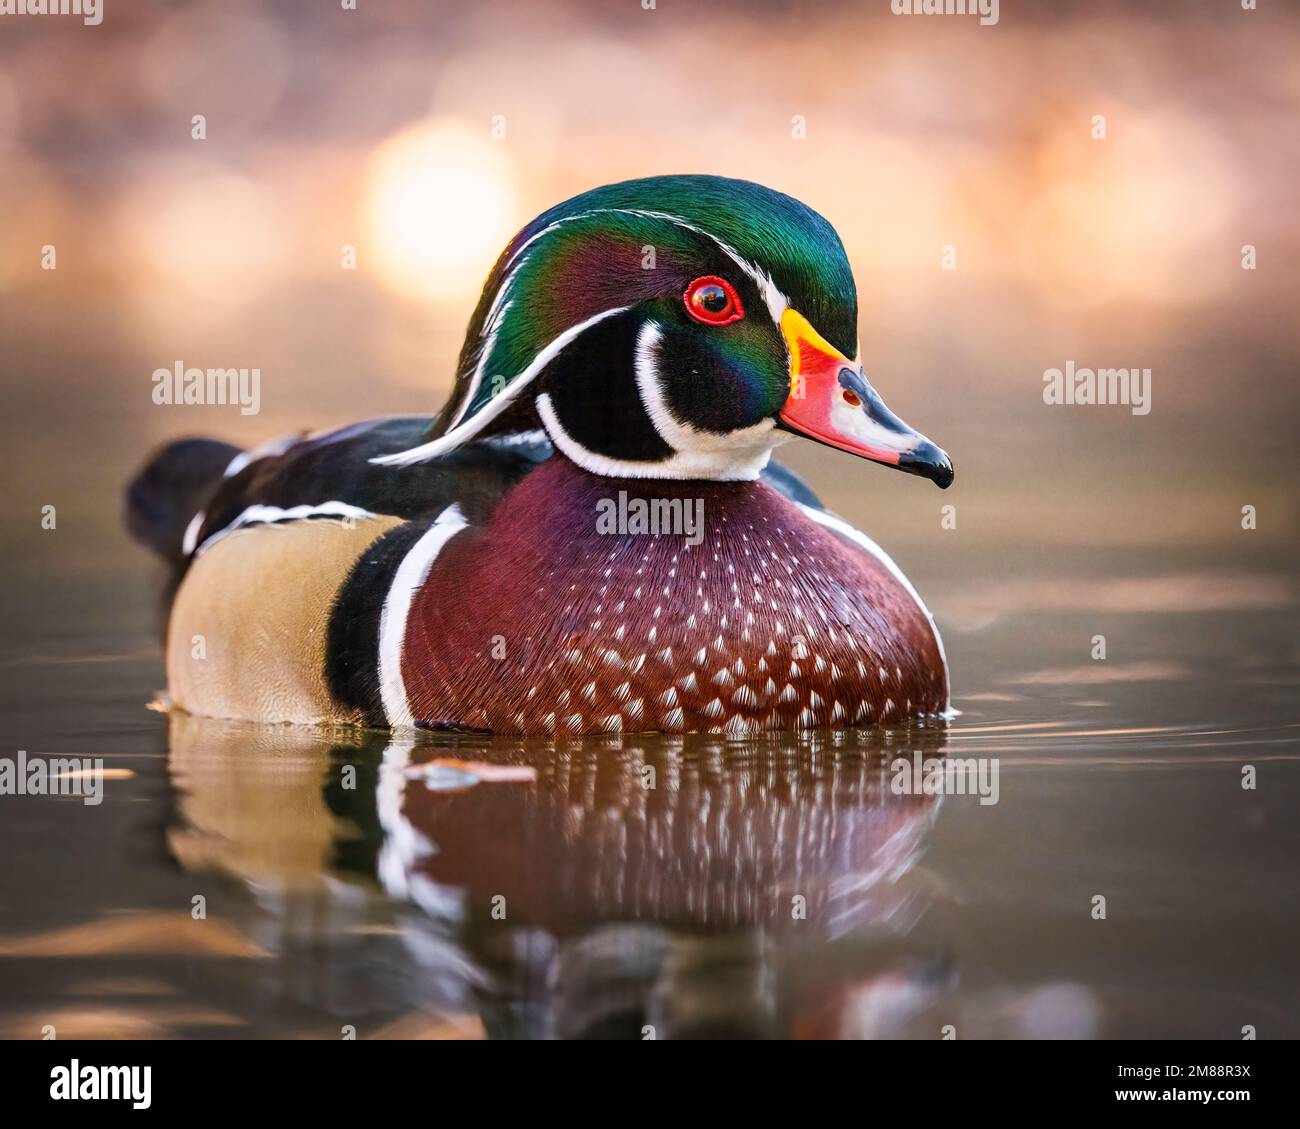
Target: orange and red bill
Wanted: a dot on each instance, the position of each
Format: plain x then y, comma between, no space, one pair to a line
832,401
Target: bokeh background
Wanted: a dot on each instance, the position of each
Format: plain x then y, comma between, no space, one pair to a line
425,134
374,128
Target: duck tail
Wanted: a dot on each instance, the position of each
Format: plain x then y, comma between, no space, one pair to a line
174,484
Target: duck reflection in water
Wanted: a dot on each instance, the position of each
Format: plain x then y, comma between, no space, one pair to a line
620,887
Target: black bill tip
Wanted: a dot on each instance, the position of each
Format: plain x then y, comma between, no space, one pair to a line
928,461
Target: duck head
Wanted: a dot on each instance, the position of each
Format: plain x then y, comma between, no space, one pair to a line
674,327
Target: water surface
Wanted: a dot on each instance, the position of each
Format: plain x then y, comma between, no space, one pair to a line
455,886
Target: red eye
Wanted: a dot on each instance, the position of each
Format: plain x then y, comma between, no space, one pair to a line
713,301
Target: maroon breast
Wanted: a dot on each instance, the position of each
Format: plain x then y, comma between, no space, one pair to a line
547,621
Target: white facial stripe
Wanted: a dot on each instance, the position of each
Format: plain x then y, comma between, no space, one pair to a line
718,466
410,576
646,366
493,323
741,445
458,434
775,301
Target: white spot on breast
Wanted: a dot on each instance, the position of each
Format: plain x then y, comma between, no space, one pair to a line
740,726
744,697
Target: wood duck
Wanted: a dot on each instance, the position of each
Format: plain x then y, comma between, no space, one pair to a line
591,536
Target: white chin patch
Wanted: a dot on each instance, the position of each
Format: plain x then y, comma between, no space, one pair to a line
726,464
732,455
464,430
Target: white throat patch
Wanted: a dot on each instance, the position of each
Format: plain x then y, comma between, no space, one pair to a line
720,456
